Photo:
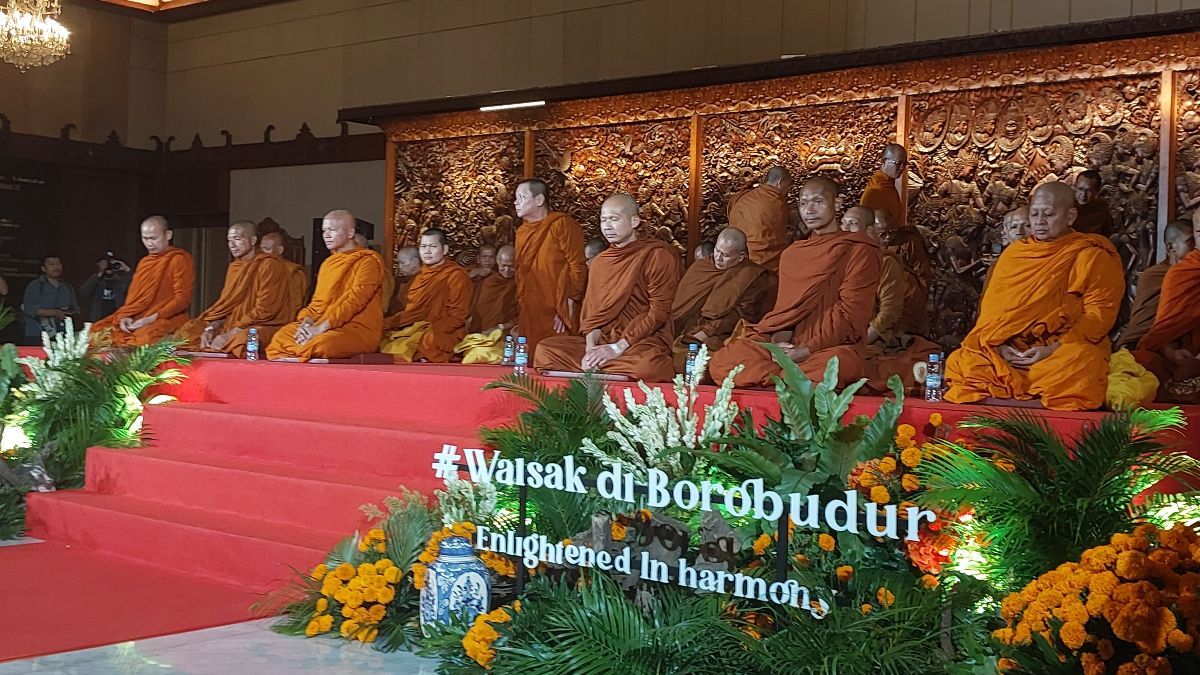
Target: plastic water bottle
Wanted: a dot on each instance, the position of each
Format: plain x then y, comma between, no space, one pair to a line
520,356
509,350
252,344
933,378
690,364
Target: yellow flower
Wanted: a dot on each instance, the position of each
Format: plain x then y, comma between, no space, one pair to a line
345,571
1073,635
391,575
906,432
387,594
418,571
377,612
868,479
802,559
865,609
366,569
319,571
929,581
347,612
326,622
910,482
887,464
312,628
371,594
375,534
885,597
380,548
342,594
826,542
516,605
354,598
935,419
645,515
384,564
349,628
910,457
880,495
322,605
1005,664
368,636
844,573
761,544
355,584
618,531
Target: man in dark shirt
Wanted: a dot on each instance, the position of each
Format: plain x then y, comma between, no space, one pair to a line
1094,215
105,290
48,301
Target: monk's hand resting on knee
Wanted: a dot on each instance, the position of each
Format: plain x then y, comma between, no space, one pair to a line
599,356
1025,359
304,331
797,354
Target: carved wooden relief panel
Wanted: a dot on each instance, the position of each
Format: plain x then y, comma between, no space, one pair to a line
840,141
1187,157
463,185
649,161
975,155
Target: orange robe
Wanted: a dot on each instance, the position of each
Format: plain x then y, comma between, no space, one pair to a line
495,303
900,325
1176,323
162,284
762,214
1066,291
348,295
1095,218
550,271
1145,304
441,296
256,293
297,287
827,287
714,301
881,194
399,299
629,296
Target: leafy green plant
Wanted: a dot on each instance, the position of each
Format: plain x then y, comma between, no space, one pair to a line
561,418
1039,500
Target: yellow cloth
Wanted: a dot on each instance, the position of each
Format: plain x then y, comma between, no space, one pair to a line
1129,384
403,344
482,347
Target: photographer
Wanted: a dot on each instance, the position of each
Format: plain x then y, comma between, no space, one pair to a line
48,301
105,290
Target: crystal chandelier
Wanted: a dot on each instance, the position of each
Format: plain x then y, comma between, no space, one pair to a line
30,34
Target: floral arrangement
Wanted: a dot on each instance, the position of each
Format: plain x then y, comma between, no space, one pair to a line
495,562
354,600
478,641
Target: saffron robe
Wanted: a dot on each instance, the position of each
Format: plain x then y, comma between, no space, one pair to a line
440,295
399,299
494,303
629,295
256,293
349,295
827,288
1095,218
1145,304
881,194
162,284
297,287
714,301
1066,291
762,214
550,271
1176,323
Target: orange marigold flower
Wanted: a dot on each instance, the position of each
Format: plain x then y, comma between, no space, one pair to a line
1004,665
1180,641
935,419
906,432
880,495
1131,565
865,609
868,479
1098,558
802,559
761,544
844,573
885,597
1073,635
887,464
618,531
910,482
929,581
1092,665
826,542
645,515
911,457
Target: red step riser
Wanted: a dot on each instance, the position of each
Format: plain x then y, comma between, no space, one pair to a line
255,564
263,496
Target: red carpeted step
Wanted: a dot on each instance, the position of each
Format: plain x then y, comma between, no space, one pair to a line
403,454
235,549
326,499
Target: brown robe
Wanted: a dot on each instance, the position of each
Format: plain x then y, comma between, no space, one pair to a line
495,303
440,295
762,214
630,290
550,272
162,284
899,325
1177,322
827,288
256,294
714,301
1145,304
881,194
1095,218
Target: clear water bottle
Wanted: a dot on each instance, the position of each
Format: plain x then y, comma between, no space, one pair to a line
520,356
933,377
689,366
252,344
509,349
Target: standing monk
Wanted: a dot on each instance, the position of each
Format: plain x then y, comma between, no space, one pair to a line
1179,241
345,316
551,272
717,293
159,294
762,214
1043,324
625,325
826,299
881,193
493,312
272,245
1171,348
256,293
435,315
1094,215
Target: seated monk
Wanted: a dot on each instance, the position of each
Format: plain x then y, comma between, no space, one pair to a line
551,273
160,292
1179,241
493,312
344,317
716,294
1014,227
762,214
272,245
408,264
910,248
486,264
1094,215
1171,348
256,294
438,305
625,323
826,298
592,249
705,250
1043,324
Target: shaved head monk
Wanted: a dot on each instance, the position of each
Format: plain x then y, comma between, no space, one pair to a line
345,316
1171,347
762,213
408,264
271,244
1015,226
881,193
625,324
705,250
435,315
1042,332
551,272
487,263
826,298
893,228
1179,241
717,293
1094,215
493,311
593,248
159,293
256,294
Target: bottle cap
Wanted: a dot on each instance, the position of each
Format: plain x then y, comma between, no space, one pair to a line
521,339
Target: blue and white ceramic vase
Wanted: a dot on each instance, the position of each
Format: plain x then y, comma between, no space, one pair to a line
457,584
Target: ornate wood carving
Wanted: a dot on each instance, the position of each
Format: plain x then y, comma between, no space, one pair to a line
649,161
1187,157
462,185
975,155
841,141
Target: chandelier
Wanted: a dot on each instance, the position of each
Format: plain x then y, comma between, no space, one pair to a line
30,34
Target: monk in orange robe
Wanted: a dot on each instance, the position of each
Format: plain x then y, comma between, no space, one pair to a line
345,316
1171,348
434,319
408,264
827,286
495,303
1043,324
762,214
272,245
625,323
1014,227
1179,241
551,272
160,292
881,193
1094,215
486,264
717,293
255,294
592,249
